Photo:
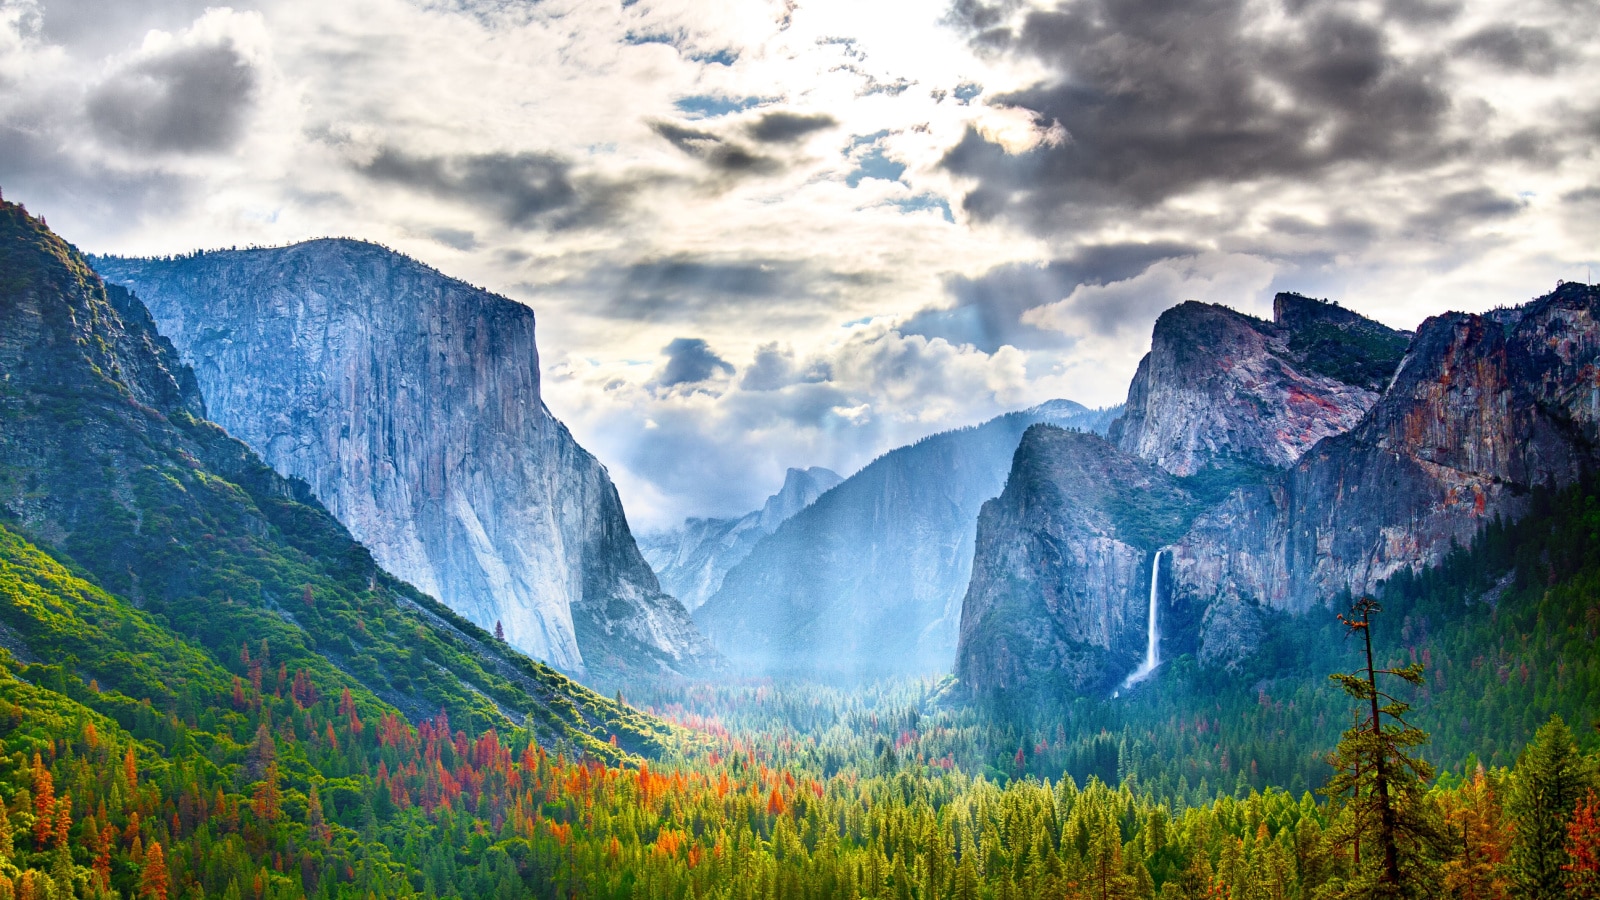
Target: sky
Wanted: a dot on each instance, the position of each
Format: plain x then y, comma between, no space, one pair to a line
774,233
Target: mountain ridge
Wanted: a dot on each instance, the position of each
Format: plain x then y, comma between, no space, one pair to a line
105,467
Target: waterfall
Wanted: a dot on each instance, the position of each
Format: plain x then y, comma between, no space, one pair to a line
1152,652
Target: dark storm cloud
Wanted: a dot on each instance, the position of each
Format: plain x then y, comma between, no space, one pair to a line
1158,97
783,127
191,100
1515,47
690,361
684,288
526,190
74,192
722,156
1465,209
1424,13
988,309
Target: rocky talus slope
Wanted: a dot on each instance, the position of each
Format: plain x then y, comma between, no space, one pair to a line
869,578
692,560
409,403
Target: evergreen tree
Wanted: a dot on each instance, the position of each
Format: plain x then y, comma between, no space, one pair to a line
1549,780
1381,783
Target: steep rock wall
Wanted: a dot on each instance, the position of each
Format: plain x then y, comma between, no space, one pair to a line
410,403
1061,575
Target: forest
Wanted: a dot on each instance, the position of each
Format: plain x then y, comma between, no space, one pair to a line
259,780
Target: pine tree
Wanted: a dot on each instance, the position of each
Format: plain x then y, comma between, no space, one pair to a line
1546,786
1479,829
1382,785
153,879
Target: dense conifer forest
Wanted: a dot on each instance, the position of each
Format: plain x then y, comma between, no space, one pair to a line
258,780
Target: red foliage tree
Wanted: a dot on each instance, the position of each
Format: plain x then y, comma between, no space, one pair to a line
1583,845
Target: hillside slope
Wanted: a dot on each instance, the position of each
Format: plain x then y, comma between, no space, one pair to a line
107,464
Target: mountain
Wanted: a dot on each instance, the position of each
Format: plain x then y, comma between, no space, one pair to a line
409,403
691,560
1478,413
154,557
869,578
1220,389
1483,410
1063,566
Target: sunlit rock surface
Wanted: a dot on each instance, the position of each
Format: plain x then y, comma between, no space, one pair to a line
410,403
1483,410
1220,388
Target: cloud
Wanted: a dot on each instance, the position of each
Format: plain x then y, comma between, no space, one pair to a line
526,189
1132,304
1514,47
989,309
96,26
688,288
1157,99
690,361
182,99
786,127
721,156
775,367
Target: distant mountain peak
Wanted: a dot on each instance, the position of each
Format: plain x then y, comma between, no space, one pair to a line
869,578
692,559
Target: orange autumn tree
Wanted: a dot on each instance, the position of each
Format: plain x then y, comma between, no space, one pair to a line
1583,846
1475,815
153,880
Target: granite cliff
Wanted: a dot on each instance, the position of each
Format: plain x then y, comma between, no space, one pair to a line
1317,459
1221,389
1063,566
1483,410
869,578
409,403
692,560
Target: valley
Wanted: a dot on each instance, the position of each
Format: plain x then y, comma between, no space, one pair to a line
304,592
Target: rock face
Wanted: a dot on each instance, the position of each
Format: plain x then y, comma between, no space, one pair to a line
692,560
409,402
1482,410
869,578
1325,485
1221,389
1059,597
